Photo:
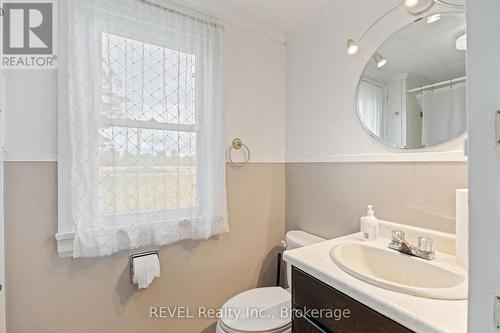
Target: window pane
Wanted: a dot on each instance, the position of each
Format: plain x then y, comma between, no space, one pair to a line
146,170
142,81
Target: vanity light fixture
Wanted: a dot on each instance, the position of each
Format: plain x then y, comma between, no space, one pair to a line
413,7
379,60
352,46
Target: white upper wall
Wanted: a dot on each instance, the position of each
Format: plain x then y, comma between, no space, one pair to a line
30,115
322,123
256,94
255,79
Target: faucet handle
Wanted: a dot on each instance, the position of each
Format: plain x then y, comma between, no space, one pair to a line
424,244
398,236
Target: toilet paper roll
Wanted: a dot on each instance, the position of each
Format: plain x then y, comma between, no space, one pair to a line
462,228
146,268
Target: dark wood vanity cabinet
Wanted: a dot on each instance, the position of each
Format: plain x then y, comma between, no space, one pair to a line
311,300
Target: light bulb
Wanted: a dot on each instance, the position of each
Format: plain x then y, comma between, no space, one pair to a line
352,47
417,7
411,3
381,62
433,18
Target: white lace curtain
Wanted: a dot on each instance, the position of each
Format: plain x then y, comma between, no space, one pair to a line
371,106
145,126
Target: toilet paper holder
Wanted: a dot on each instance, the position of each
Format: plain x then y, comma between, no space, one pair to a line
138,255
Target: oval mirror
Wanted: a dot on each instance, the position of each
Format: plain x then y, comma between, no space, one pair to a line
412,92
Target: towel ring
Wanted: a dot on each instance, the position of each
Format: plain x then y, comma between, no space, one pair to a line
237,144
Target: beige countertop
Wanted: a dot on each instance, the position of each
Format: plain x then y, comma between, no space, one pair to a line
419,314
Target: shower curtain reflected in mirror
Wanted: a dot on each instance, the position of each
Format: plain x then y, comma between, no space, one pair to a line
444,113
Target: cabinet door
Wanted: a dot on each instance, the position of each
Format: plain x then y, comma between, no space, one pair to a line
304,325
310,293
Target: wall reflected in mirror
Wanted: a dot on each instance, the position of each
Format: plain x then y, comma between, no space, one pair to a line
412,93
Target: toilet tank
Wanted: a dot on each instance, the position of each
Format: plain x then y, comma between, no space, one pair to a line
295,239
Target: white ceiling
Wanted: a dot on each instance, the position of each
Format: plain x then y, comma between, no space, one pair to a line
277,18
284,15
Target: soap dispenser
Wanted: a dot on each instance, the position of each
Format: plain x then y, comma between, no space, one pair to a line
369,225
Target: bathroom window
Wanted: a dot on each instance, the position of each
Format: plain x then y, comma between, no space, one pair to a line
141,141
147,139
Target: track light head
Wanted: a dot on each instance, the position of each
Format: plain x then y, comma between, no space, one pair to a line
379,60
352,47
417,7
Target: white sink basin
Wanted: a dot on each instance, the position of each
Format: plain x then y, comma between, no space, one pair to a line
399,272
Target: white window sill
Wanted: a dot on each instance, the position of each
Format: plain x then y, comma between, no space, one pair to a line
65,244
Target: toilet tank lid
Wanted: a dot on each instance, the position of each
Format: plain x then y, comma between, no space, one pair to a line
299,238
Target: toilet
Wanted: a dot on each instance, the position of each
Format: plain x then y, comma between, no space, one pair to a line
264,310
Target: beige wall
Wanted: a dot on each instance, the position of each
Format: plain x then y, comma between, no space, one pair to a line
49,294
327,199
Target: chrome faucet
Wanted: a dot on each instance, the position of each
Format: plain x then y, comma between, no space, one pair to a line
422,250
